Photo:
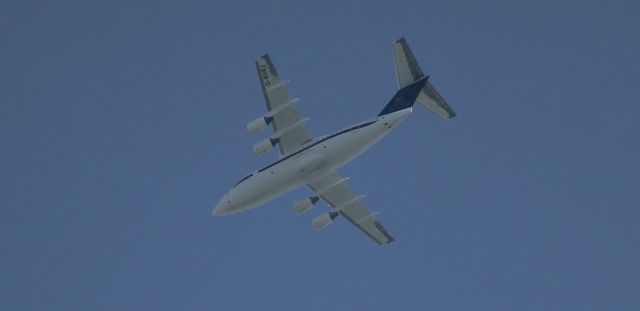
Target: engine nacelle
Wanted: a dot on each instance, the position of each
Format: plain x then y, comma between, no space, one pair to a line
265,146
305,204
324,220
258,124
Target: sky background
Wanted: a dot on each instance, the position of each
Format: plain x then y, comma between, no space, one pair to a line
122,124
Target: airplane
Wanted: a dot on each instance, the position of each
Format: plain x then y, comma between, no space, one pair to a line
313,162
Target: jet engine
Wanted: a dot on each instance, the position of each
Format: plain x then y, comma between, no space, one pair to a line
324,220
305,204
258,124
265,146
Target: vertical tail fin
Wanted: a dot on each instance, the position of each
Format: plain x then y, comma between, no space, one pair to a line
407,68
408,71
404,98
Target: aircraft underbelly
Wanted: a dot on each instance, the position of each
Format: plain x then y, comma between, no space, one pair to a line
299,170
349,146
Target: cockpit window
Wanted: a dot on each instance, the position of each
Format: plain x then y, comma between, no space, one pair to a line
243,179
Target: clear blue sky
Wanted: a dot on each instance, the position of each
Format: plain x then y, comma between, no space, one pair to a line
122,123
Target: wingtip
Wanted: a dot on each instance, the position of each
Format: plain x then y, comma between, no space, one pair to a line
266,59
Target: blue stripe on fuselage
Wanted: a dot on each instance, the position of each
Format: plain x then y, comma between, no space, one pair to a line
359,126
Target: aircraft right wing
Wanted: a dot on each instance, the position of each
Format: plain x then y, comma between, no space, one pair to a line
286,119
334,190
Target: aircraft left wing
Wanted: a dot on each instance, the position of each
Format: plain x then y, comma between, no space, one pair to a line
334,190
287,124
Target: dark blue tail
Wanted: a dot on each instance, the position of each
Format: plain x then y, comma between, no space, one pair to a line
405,97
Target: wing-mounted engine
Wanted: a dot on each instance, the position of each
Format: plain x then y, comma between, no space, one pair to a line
265,146
259,124
305,204
309,202
268,144
324,220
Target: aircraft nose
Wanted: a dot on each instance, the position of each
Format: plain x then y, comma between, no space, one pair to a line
223,207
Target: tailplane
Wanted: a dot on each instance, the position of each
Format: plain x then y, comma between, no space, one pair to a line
408,72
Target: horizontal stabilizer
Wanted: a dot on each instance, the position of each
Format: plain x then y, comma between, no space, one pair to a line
431,99
408,71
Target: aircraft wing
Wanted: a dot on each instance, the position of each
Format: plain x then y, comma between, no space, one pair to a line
339,195
287,125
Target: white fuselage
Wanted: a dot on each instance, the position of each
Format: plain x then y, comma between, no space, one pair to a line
310,162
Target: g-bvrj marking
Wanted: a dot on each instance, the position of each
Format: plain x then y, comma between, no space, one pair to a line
265,75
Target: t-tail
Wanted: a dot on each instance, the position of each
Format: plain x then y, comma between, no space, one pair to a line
409,73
